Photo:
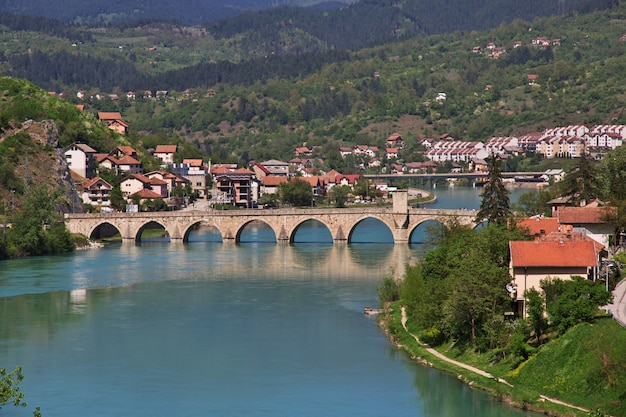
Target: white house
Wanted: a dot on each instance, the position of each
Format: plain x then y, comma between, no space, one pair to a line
80,158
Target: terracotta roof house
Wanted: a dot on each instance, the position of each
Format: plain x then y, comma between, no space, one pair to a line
596,222
395,141
136,182
130,165
538,226
317,185
348,179
303,151
114,121
146,194
165,153
80,158
270,184
533,261
97,192
239,187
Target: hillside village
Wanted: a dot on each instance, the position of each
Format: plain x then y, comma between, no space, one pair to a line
244,186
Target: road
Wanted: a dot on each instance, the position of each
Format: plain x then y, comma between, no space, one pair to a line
618,307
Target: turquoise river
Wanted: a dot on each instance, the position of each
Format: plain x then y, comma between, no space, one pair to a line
204,329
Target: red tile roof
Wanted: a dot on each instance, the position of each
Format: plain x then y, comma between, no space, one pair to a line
166,149
578,215
559,254
193,162
539,225
105,115
273,180
146,193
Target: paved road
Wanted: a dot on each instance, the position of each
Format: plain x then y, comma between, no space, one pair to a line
618,307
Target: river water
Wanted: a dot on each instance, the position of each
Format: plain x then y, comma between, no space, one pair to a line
205,329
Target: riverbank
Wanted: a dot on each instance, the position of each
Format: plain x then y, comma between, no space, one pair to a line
394,324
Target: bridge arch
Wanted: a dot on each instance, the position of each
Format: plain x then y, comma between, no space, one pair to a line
377,219
298,226
152,224
421,225
188,228
246,224
103,230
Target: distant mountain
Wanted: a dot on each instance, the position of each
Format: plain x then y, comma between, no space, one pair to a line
435,15
191,12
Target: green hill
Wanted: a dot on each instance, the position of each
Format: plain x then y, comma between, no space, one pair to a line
237,105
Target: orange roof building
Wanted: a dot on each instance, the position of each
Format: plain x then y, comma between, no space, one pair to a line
533,261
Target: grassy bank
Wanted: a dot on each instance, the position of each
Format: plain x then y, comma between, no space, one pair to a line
584,369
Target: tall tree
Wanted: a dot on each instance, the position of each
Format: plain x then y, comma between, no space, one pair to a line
582,184
495,205
296,192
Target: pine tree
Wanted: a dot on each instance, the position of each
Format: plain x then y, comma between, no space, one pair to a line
495,206
582,184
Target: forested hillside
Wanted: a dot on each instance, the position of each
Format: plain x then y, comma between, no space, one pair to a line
436,16
260,107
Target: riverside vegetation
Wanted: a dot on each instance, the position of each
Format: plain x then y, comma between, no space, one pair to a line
566,349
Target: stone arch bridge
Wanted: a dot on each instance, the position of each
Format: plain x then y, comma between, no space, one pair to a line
284,222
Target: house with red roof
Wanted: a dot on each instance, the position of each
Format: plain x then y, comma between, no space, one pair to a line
539,226
80,158
533,261
145,195
137,182
97,192
238,187
318,185
395,141
270,184
114,121
391,153
595,221
165,153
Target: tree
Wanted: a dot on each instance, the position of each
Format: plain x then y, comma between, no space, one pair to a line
534,202
582,184
38,229
571,302
118,201
613,172
340,194
494,207
10,391
536,316
296,192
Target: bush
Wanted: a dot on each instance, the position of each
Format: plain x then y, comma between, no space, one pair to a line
389,290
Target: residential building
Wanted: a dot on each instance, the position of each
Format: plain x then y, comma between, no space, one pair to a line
592,220
165,153
533,261
195,173
97,192
275,167
238,187
114,121
80,158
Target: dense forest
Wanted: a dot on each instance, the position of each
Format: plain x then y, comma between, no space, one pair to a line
350,17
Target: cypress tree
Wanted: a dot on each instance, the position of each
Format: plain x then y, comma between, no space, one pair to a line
495,205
